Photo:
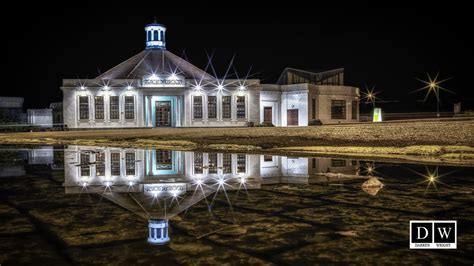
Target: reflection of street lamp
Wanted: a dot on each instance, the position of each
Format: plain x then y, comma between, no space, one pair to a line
433,85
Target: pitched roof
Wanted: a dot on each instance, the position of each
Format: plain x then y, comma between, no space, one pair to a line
154,61
304,76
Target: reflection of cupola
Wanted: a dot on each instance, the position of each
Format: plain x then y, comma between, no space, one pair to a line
158,232
155,36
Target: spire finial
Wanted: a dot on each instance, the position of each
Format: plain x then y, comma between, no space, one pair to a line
154,19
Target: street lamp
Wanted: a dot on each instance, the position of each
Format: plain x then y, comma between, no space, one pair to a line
433,85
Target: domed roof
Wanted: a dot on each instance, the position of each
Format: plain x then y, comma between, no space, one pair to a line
154,61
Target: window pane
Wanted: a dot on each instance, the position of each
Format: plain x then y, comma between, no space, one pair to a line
212,163
130,163
338,163
198,163
212,106
240,106
226,106
85,164
227,163
83,107
129,107
99,107
338,109
114,107
197,106
115,163
241,161
100,164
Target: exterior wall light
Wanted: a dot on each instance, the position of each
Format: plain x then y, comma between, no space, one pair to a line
129,87
220,87
242,88
82,88
106,88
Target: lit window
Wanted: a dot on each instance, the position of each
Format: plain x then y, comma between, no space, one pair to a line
226,106
338,109
212,163
130,163
241,162
83,107
129,107
240,106
115,163
197,107
99,107
227,163
85,165
100,164
212,106
198,163
114,107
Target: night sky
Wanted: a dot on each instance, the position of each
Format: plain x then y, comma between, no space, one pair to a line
378,46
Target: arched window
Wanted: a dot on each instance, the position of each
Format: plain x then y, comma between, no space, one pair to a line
148,36
155,35
162,36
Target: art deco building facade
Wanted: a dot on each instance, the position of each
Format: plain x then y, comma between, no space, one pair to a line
156,88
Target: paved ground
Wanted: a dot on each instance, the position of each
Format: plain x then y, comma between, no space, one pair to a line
296,224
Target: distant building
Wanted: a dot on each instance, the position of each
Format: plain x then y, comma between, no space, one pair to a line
156,88
57,113
11,110
40,117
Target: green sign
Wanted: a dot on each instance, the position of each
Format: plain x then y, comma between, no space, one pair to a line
377,115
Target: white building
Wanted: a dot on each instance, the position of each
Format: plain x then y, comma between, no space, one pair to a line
156,88
40,117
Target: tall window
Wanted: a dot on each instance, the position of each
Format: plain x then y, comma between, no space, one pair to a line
198,163
338,109
164,160
114,107
149,36
130,163
197,106
85,165
354,109
129,107
212,163
212,107
83,107
115,163
241,161
313,108
155,35
226,106
100,164
240,106
227,163
99,107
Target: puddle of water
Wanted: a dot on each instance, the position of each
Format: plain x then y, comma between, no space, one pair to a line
114,205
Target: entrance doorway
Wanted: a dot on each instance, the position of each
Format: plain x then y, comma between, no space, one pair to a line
292,116
163,113
267,114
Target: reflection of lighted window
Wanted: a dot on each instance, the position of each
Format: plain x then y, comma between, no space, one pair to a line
241,161
338,163
130,163
227,163
115,163
163,160
213,163
85,167
100,164
198,163
268,158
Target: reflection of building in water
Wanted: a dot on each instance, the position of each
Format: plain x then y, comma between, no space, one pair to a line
127,169
43,155
157,184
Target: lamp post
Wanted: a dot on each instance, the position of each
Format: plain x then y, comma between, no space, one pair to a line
433,85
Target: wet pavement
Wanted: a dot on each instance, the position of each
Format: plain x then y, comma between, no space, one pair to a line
85,205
